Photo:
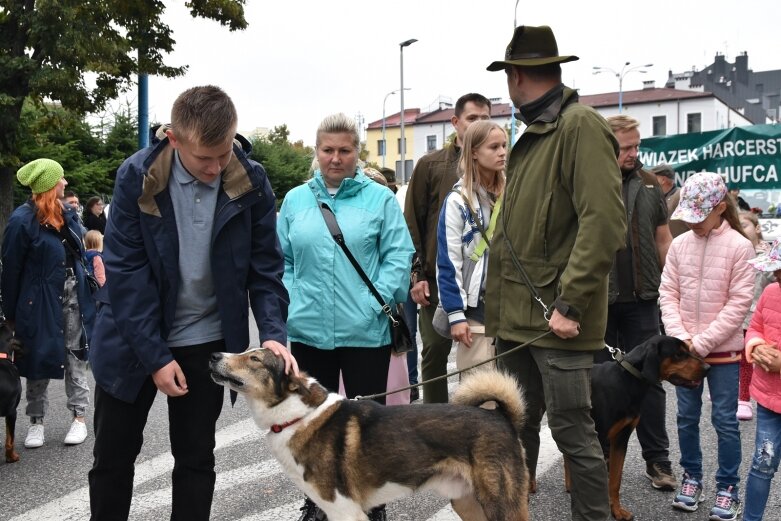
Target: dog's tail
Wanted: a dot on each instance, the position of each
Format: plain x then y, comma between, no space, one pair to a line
486,385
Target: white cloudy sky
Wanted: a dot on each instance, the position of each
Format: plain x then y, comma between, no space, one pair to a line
301,60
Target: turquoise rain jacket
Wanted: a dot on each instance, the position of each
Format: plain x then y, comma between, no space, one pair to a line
330,306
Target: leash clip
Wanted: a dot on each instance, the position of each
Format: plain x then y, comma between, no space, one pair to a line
614,352
546,312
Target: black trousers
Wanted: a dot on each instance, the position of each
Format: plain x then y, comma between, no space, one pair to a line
629,324
192,418
364,369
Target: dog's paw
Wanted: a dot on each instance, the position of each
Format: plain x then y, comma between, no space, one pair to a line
621,514
11,456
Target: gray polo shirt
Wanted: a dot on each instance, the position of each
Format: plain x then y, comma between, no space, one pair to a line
197,320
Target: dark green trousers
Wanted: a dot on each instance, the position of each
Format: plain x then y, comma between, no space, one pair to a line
434,355
559,382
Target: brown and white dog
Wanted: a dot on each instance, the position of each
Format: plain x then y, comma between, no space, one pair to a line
349,456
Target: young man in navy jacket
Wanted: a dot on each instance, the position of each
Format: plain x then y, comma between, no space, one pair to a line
190,245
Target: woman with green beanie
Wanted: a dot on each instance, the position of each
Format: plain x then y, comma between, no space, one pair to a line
46,298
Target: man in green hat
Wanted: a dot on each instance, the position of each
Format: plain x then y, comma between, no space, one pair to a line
562,222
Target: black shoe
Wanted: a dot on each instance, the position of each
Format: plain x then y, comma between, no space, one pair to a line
378,514
414,394
311,512
661,475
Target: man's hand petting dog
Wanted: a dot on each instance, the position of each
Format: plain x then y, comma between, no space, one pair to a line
281,351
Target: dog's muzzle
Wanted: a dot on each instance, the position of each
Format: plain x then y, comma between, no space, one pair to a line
220,372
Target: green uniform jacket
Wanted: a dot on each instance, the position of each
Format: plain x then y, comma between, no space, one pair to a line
433,178
564,217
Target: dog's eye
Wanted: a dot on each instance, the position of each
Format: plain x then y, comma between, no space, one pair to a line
254,358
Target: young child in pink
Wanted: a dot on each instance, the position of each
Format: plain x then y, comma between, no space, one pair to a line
706,290
762,340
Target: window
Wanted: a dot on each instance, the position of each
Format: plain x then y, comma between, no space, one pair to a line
694,122
431,143
380,147
398,144
660,125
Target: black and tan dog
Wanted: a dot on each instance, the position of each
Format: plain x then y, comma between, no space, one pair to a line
10,388
349,456
618,389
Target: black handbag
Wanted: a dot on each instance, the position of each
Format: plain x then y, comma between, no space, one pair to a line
401,341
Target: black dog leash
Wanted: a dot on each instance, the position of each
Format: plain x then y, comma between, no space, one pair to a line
618,356
448,375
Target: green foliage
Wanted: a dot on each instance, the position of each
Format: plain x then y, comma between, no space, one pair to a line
90,159
48,47
287,164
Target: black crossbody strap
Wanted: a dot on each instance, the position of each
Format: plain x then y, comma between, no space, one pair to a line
336,233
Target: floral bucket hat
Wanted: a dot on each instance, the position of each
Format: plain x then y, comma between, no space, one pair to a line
699,195
768,261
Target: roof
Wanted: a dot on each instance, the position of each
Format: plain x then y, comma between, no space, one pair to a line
755,95
632,97
444,115
410,116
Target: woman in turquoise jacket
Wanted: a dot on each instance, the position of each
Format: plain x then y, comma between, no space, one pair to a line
334,322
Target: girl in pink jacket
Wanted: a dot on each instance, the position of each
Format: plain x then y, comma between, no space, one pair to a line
706,290
762,340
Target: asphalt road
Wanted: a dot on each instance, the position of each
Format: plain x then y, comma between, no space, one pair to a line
50,483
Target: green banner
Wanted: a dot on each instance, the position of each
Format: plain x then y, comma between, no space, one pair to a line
747,157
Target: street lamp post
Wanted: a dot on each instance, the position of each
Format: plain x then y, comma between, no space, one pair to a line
403,141
384,143
620,75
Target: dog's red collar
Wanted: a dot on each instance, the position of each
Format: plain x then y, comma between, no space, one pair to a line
277,428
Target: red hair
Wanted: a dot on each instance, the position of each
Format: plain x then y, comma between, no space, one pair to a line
49,209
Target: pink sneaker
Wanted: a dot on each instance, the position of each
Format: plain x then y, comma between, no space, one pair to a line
745,411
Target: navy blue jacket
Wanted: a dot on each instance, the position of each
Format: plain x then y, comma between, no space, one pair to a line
32,285
141,251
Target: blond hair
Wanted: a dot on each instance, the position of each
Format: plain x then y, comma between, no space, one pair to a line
339,124
476,134
93,240
753,219
622,123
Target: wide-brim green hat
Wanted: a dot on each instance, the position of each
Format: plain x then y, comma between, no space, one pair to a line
41,175
530,47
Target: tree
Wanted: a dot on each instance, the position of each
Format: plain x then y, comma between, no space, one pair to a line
47,47
287,164
89,156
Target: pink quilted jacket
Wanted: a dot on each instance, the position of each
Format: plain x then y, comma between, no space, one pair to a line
765,328
706,290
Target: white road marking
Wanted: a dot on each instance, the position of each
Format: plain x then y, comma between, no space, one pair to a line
75,505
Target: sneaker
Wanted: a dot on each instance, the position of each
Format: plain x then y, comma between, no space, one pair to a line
378,514
661,475
34,437
77,433
311,512
745,411
690,496
727,507
414,394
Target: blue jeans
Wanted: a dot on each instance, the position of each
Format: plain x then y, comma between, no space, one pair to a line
764,464
723,387
411,316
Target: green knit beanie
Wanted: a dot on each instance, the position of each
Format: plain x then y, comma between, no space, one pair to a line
40,175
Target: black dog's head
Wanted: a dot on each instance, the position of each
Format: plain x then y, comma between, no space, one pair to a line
668,358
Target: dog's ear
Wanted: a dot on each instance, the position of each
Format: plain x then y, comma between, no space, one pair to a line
653,348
